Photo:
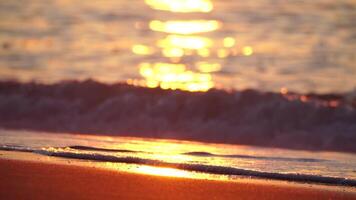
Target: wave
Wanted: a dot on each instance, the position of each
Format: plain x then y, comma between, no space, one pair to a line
77,147
197,153
207,154
212,169
16,148
222,170
311,121
194,153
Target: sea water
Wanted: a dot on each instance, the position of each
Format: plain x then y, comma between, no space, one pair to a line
207,158
305,46
267,45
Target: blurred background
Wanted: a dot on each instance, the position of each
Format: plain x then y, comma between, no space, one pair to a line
194,45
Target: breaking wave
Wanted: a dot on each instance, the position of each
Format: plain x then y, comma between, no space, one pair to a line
313,122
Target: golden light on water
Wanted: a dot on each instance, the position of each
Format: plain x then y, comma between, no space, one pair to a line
184,27
204,52
185,42
174,76
208,67
172,52
229,42
162,171
222,53
183,46
140,49
247,51
184,6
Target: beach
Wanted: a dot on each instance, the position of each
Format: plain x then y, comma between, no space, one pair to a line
177,99
29,176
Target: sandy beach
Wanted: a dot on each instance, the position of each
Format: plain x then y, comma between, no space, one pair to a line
25,179
178,100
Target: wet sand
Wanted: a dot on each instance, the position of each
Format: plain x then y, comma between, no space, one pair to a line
22,179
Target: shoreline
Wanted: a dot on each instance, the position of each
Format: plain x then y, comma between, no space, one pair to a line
42,177
186,170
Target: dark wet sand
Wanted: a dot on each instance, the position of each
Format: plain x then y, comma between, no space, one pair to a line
21,179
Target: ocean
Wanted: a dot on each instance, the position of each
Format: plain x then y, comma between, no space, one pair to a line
212,89
304,46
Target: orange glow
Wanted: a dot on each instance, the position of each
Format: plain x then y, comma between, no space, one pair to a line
334,103
136,82
185,42
162,171
284,90
303,98
174,76
184,27
142,49
184,6
129,81
208,67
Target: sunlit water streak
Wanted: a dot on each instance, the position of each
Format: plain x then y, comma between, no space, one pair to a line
216,160
265,44
184,6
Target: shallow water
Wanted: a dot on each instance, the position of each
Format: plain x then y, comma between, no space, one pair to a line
266,44
215,159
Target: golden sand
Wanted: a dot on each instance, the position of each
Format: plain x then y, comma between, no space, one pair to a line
24,179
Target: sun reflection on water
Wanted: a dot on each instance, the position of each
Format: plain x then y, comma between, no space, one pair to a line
229,42
162,171
174,76
184,6
189,53
247,51
208,67
140,49
186,42
185,27
173,52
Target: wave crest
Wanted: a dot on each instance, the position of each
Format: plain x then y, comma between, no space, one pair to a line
240,117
